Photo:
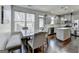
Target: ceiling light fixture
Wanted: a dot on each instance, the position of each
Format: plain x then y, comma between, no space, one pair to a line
64,7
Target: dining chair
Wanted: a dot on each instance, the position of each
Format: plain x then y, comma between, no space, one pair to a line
37,40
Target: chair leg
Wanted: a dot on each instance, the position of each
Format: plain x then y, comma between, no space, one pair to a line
28,48
20,50
42,49
10,51
32,50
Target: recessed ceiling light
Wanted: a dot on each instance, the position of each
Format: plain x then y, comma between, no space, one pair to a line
66,7
72,10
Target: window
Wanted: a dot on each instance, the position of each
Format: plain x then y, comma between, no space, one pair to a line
24,20
19,18
41,21
52,20
30,22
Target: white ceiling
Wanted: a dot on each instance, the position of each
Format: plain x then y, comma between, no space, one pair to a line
54,9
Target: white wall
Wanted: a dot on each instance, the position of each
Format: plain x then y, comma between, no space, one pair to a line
6,27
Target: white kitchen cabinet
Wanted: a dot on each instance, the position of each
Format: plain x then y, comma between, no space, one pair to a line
63,33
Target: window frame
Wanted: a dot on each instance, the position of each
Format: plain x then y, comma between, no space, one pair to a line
25,21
